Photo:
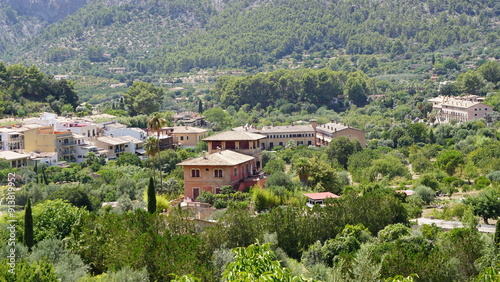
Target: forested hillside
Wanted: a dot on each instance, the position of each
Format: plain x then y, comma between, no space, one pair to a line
176,36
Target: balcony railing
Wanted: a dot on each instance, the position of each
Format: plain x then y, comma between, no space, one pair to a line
72,143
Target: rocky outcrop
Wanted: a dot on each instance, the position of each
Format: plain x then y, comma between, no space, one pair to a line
48,10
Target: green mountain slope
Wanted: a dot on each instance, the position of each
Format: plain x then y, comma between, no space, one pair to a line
178,36
263,32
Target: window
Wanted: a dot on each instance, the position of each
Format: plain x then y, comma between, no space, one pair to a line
271,144
280,143
235,171
195,173
485,109
217,172
300,143
182,138
475,115
187,137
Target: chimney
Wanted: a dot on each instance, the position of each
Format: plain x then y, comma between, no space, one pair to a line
219,150
204,153
313,123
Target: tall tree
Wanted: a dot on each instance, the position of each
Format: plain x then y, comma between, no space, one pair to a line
151,147
28,226
155,124
151,196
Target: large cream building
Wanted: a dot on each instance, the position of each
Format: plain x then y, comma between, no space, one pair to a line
459,108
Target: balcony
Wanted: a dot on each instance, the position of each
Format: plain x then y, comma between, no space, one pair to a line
119,150
68,152
72,143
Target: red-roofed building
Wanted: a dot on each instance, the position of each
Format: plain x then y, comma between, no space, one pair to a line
212,171
318,198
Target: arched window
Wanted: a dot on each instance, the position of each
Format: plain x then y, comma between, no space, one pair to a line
195,172
217,172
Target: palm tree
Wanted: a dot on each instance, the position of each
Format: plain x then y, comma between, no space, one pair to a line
155,124
303,168
152,148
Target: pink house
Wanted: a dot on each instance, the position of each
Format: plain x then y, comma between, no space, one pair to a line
212,171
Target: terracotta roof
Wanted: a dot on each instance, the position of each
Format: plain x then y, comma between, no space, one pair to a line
10,155
235,136
188,129
321,195
224,158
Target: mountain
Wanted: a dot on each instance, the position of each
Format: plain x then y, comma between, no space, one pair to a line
47,10
149,36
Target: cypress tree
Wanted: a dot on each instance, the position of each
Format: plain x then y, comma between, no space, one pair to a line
28,226
36,171
45,180
431,137
151,196
200,107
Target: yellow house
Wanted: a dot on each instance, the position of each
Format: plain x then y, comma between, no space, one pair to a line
188,136
46,139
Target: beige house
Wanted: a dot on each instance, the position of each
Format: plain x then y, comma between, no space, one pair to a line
187,136
326,132
112,146
11,139
15,160
46,139
459,108
213,171
281,135
239,141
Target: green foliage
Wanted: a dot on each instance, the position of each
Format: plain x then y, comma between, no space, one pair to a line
21,85
341,148
28,271
424,193
486,204
219,118
54,219
257,263
68,266
393,232
143,98
264,199
128,158
145,242
449,161
274,165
